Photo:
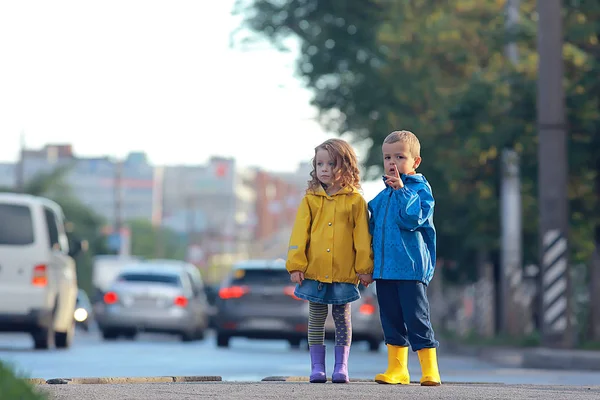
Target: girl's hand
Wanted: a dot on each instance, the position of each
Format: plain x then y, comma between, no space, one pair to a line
365,279
297,277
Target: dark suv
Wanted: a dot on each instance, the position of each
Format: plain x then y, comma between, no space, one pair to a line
257,301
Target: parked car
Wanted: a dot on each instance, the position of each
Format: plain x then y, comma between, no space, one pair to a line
160,296
38,280
84,314
257,301
366,323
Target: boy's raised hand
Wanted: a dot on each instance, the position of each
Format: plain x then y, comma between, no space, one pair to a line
394,181
297,277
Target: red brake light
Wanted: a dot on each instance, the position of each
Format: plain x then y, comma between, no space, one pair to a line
181,301
367,308
111,298
40,277
289,290
233,292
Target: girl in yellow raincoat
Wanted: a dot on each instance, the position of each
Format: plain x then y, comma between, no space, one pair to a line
330,252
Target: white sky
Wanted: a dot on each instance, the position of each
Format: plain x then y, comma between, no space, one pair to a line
112,77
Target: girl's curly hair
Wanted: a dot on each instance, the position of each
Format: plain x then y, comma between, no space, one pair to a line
346,164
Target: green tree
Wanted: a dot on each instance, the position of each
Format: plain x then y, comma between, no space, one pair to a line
423,66
149,241
438,68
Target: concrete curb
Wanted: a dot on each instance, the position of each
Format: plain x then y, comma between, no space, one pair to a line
303,379
124,380
562,359
36,381
532,357
299,379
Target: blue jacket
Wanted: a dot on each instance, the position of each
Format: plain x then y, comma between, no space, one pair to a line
404,238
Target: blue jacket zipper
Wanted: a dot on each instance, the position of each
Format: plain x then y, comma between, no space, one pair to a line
387,206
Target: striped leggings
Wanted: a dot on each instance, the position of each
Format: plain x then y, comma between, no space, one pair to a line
317,314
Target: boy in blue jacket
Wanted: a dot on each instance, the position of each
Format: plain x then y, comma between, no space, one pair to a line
404,241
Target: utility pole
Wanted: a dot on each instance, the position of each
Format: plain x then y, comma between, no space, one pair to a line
118,203
20,167
510,207
555,304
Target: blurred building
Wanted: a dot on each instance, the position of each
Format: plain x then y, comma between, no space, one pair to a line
224,213
277,199
200,201
229,213
116,190
7,175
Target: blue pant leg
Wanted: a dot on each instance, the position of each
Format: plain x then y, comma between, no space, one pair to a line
390,312
415,309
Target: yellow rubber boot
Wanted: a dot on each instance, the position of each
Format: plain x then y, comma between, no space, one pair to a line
429,367
397,370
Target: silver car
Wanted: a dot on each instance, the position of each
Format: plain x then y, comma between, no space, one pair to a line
257,301
155,296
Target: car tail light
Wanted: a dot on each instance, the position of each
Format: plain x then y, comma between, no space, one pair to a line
181,301
367,307
111,298
40,275
289,290
233,292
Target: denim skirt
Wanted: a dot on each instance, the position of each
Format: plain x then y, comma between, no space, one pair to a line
327,293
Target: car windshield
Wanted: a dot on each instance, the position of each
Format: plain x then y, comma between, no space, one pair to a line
168,279
261,276
16,228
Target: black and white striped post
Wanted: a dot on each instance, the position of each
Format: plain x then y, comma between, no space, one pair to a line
555,304
555,284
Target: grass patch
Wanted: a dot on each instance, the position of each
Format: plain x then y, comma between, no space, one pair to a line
13,386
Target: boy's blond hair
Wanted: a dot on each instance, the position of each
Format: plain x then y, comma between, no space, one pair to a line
407,137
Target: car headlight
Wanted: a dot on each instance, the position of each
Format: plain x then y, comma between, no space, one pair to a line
80,315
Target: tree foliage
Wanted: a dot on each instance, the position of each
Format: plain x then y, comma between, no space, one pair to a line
439,68
149,241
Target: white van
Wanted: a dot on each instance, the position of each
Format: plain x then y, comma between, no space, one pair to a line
38,282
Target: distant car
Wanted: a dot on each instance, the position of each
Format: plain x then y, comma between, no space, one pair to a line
212,292
161,296
366,323
83,311
257,301
105,269
38,280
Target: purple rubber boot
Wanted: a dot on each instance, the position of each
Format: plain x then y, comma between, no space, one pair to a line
317,364
340,369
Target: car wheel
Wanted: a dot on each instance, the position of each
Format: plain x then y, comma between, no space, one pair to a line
44,338
65,339
222,340
187,336
109,334
294,343
374,345
130,335
200,334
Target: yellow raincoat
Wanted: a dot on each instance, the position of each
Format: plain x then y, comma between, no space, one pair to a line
330,240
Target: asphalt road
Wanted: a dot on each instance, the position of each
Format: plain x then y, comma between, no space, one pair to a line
245,360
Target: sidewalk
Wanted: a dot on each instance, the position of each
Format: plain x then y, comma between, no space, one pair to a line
534,357
301,390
